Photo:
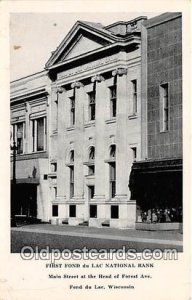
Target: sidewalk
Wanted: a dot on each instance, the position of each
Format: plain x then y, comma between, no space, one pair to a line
158,237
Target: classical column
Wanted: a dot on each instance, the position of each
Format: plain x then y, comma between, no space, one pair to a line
61,144
27,128
101,96
47,132
122,172
78,148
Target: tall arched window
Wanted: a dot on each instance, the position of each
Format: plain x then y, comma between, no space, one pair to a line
112,152
112,171
71,157
71,169
91,162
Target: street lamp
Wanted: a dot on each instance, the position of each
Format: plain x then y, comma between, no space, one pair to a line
14,147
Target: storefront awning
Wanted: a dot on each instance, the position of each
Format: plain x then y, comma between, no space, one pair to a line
26,181
164,165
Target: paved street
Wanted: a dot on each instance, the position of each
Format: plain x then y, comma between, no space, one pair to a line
72,237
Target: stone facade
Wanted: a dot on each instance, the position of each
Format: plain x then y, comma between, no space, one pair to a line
120,127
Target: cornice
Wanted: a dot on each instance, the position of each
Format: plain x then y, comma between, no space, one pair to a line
29,94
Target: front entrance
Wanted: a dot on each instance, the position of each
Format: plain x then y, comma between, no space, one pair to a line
24,200
157,188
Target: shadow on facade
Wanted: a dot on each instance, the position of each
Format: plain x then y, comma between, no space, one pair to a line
23,203
157,186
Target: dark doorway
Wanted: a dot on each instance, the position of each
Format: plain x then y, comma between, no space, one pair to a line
24,200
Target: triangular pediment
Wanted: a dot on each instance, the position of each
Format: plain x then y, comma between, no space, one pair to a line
82,46
83,38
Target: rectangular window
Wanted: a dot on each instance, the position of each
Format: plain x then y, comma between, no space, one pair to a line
72,110
164,107
113,100
53,167
114,212
40,134
72,211
91,170
91,191
93,211
92,106
39,128
18,136
134,151
134,96
71,181
55,210
112,168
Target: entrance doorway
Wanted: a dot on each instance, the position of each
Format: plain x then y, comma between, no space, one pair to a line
24,200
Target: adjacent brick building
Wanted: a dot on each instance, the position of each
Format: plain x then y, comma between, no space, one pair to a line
160,175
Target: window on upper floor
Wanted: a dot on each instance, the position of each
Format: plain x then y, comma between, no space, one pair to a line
112,170
91,153
39,134
134,153
53,167
72,99
113,100
92,105
91,162
134,96
71,173
112,179
17,136
164,107
91,191
71,158
112,152
71,168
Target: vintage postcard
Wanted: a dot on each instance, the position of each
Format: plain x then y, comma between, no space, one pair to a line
95,166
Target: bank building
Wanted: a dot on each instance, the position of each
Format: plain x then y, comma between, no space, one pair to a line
97,135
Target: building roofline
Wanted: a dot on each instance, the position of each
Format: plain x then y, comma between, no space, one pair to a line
133,38
125,22
30,75
165,17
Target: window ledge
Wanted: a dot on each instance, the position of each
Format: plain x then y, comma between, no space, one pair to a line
89,124
54,132
89,163
110,160
91,176
52,175
112,120
164,131
31,155
70,128
134,116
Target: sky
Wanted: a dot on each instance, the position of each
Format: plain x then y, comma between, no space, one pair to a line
33,36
